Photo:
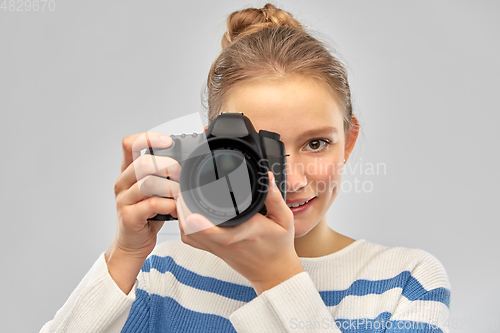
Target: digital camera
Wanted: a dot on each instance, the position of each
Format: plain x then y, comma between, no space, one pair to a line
224,169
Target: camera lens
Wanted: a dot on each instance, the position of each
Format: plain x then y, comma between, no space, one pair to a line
225,182
220,164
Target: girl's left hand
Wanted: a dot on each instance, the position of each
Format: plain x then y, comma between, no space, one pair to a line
261,249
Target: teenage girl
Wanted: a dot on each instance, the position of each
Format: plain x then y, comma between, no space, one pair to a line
284,272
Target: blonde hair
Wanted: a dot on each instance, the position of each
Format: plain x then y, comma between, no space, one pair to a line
269,42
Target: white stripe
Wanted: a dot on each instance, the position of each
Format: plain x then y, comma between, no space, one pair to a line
431,312
367,306
199,261
166,285
374,262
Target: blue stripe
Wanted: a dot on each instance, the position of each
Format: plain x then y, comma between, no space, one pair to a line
168,316
412,289
190,278
138,317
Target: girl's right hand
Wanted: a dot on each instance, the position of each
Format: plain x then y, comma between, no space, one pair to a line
135,236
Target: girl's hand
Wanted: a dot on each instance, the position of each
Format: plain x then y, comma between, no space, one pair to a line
135,188
135,236
260,249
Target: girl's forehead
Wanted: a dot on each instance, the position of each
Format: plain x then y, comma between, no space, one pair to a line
286,106
299,97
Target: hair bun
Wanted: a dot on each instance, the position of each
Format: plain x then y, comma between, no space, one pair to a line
248,21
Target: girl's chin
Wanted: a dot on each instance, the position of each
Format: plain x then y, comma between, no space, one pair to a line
302,228
298,235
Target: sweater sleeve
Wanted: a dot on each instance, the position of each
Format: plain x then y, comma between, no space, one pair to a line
425,299
96,305
294,304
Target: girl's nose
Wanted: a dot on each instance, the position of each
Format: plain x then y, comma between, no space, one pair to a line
295,175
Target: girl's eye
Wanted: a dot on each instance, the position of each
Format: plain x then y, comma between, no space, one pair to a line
317,144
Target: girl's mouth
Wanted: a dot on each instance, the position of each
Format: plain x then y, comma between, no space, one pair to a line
300,207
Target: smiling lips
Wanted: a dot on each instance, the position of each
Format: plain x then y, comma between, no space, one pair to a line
298,202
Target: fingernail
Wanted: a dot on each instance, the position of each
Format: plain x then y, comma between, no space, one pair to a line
165,138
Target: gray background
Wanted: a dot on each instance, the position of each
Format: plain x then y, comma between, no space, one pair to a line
76,80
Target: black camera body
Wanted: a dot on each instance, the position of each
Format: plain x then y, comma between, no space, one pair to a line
224,169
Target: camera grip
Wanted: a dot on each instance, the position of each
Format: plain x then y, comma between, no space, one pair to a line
162,217
181,146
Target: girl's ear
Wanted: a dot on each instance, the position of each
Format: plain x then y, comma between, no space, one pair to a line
351,137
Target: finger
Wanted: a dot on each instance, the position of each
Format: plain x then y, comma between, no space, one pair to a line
136,216
197,223
183,212
277,210
160,165
148,165
186,219
133,144
149,186
158,186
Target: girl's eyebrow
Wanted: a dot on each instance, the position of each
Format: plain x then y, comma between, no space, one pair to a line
317,131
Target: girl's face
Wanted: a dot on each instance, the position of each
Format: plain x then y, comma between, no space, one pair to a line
310,123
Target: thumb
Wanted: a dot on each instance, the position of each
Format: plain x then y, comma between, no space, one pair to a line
277,210
196,222
190,222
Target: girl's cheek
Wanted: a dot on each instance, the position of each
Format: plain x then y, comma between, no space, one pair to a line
333,169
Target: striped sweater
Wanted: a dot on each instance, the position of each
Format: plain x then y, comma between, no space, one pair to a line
365,287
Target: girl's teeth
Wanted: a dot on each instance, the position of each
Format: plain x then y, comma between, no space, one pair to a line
297,204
